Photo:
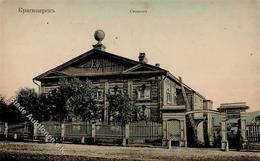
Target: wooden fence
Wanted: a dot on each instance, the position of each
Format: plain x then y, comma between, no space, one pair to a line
53,128
145,131
104,131
80,131
23,129
77,130
134,132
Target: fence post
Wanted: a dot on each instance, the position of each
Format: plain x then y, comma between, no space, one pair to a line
126,134
34,132
15,136
83,137
46,139
6,130
83,140
62,131
93,132
169,143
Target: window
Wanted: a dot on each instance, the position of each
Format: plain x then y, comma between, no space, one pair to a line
99,96
143,92
174,97
146,111
168,96
115,90
48,89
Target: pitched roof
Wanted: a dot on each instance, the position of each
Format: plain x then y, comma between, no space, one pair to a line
88,53
136,64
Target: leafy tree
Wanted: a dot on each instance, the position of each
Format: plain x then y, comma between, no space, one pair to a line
257,118
9,113
35,104
44,108
3,107
74,98
82,101
56,104
122,109
2,102
29,99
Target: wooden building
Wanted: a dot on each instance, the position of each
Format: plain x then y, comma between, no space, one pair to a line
153,88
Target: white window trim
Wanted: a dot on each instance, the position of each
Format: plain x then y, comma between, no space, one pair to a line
147,93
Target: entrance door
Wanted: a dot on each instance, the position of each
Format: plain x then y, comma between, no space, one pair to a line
174,131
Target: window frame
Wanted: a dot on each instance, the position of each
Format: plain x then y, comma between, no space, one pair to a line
145,91
101,97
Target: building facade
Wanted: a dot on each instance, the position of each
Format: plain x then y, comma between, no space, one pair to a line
154,89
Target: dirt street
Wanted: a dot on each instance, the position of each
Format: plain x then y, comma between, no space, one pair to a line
13,151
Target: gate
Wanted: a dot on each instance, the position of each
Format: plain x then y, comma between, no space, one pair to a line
253,133
253,136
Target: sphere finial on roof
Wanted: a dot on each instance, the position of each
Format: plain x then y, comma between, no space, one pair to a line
99,36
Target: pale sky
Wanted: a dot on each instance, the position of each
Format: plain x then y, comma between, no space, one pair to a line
213,45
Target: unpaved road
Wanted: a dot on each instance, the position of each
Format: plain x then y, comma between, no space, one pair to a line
13,151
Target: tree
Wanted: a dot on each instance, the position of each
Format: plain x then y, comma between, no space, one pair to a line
56,102
74,98
3,108
122,109
45,108
82,101
36,104
9,113
257,118
29,99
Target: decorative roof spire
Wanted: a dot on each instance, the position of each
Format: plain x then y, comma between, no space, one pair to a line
99,36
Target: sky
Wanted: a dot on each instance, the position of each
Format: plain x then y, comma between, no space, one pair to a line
213,45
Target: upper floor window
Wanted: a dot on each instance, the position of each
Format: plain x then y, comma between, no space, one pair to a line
174,97
143,92
168,96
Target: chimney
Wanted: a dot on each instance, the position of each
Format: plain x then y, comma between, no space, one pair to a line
142,58
157,65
